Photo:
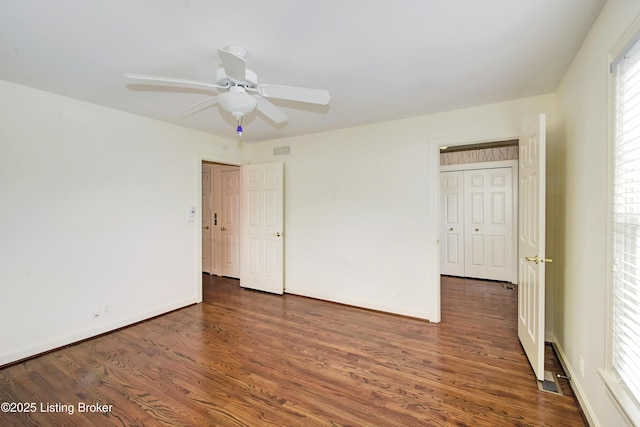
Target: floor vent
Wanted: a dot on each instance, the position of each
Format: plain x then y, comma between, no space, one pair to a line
550,384
510,286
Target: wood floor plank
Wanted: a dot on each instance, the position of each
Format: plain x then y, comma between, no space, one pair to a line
245,358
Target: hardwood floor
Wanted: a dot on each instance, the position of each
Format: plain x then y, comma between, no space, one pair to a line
245,358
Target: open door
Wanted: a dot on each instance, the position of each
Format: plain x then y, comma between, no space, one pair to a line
452,232
207,258
531,244
229,246
262,248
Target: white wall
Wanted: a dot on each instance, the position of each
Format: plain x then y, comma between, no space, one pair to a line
583,102
93,211
361,215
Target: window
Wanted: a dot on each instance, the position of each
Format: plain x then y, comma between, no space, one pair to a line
625,233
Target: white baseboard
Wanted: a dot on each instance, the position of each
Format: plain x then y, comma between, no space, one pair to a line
58,342
575,384
361,304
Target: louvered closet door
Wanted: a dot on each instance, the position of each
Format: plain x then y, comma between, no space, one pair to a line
488,223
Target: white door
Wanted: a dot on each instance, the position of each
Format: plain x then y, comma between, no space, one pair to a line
206,220
488,223
500,224
531,245
230,222
452,233
262,262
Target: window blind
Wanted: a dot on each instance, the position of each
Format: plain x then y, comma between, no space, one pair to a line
626,224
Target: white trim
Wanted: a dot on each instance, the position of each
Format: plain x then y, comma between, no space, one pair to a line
433,192
620,398
587,410
359,303
74,338
626,406
214,158
433,224
481,165
622,46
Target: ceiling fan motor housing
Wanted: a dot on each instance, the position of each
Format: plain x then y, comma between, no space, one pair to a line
250,80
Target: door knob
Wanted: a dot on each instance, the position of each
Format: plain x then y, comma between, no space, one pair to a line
451,229
222,228
538,260
277,234
477,229
206,227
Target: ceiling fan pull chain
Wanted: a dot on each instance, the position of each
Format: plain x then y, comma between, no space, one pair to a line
239,128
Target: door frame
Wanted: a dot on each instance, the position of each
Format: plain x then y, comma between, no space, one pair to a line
513,164
209,196
213,158
433,191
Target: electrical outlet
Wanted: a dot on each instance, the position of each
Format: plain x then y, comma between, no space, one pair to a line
581,366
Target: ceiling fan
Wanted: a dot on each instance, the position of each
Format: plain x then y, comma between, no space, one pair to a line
239,91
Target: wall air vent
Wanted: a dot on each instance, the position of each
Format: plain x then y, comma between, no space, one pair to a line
282,151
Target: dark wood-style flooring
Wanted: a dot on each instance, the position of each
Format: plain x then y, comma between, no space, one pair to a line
245,358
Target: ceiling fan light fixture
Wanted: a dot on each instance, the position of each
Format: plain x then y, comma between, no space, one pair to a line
237,101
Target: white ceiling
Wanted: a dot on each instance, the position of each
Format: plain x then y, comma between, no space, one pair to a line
380,59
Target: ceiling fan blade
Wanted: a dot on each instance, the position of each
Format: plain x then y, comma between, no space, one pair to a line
234,65
172,81
202,104
313,96
274,114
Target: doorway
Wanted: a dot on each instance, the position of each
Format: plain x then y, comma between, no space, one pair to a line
221,219
531,234
251,210
479,211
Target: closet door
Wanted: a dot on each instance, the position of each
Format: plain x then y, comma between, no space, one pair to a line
230,222
452,232
488,223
